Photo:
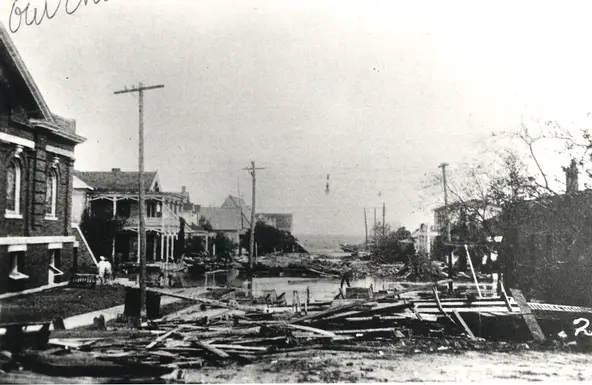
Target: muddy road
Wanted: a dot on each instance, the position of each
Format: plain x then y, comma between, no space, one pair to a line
326,366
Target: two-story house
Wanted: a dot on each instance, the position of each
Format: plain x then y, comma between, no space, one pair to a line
37,245
114,194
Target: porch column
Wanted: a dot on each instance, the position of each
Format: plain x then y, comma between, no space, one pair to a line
161,236
154,239
207,241
173,238
114,215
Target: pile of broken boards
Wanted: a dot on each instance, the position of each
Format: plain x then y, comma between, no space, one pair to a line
214,332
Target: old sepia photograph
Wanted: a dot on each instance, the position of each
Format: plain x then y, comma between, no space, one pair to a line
295,191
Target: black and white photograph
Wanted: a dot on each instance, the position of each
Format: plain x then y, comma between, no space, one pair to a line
296,191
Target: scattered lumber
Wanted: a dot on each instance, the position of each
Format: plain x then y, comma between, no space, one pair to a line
355,303
162,337
210,348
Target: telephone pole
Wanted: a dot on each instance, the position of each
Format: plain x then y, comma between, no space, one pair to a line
443,167
366,227
383,219
374,228
252,171
142,232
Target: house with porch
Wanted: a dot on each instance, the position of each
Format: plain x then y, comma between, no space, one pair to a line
113,195
38,246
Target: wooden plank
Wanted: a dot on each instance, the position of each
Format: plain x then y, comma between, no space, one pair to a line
505,296
529,318
163,337
210,348
240,347
464,325
211,302
313,330
366,331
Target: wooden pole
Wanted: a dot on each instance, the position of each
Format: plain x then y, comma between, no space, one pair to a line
383,218
374,228
142,231
252,170
366,227
443,166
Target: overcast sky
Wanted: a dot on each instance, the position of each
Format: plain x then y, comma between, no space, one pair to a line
375,94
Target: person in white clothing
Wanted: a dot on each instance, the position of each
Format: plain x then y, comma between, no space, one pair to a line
104,269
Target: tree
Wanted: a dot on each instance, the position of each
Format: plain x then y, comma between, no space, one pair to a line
546,232
224,247
269,240
394,246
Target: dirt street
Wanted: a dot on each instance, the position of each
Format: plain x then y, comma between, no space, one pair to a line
325,366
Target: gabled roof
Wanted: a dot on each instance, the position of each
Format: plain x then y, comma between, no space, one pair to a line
117,181
79,184
54,123
227,219
239,203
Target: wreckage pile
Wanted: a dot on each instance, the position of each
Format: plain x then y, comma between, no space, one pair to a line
221,328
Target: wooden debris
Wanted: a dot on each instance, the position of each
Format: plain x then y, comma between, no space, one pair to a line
527,315
162,337
464,325
210,348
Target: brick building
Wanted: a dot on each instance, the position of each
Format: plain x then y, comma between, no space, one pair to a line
38,247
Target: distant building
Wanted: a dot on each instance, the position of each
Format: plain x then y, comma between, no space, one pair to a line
232,202
423,239
225,220
38,247
281,222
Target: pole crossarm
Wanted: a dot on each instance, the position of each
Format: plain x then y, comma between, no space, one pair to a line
138,89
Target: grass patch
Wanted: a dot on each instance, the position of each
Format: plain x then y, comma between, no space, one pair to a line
59,302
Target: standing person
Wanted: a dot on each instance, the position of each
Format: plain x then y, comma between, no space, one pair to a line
102,265
346,275
108,271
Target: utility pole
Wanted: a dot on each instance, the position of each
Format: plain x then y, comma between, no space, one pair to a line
240,205
142,232
383,219
252,171
374,228
366,227
443,167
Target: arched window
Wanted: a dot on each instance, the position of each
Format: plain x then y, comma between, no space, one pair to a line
51,194
13,188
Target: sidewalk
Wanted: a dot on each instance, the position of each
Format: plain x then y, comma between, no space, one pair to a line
87,319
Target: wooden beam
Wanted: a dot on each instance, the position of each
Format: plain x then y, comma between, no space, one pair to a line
464,325
210,348
528,316
163,337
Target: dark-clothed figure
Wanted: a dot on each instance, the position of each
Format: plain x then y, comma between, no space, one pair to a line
346,275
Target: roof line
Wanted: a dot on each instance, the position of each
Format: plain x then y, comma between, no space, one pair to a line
26,75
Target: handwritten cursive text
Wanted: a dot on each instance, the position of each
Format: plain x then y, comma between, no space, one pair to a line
24,12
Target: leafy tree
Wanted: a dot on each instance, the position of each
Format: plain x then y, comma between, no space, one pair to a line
270,239
224,247
546,232
393,246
